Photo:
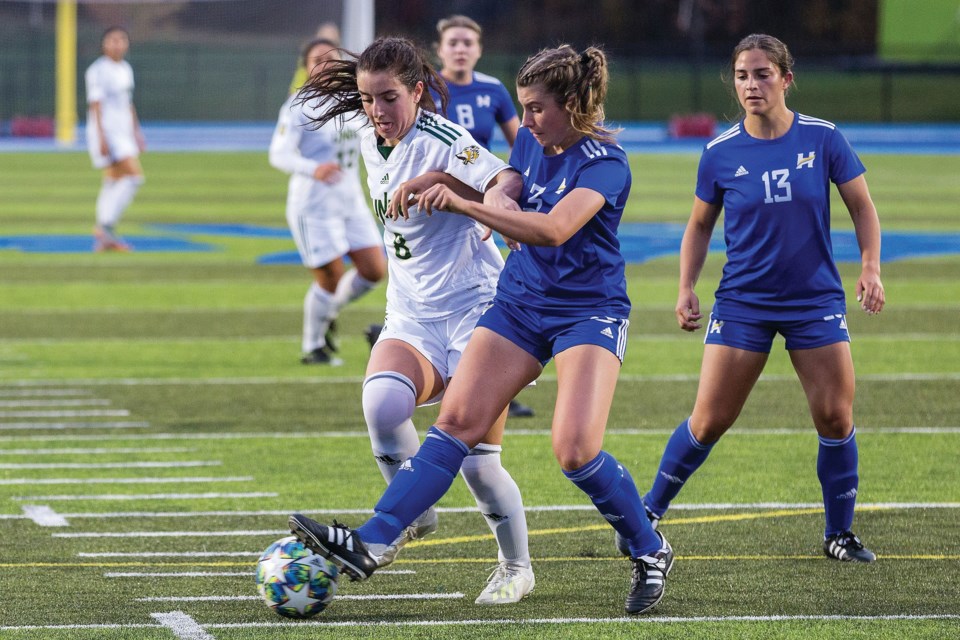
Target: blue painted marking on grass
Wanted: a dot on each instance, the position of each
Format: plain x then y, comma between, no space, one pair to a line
84,244
280,258
230,230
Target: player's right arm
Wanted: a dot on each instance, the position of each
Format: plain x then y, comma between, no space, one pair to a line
95,95
693,255
285,145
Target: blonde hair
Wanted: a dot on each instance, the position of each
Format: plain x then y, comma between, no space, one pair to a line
578,82
454,21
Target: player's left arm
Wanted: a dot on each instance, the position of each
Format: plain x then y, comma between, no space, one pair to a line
866,223
137,131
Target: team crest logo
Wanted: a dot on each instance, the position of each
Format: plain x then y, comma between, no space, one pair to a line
806,160
469,155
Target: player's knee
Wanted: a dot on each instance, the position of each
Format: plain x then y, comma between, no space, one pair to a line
834,423
572,456
709,427
389,399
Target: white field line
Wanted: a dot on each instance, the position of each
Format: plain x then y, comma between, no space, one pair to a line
147,496
720,506
171,554
299,435
43,393
44,516
81,413
109,465
386,596
220,574
85,402
16,426
92,451
193,480
498,622
270,380
182,625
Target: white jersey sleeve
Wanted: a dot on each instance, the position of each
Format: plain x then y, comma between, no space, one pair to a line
285,145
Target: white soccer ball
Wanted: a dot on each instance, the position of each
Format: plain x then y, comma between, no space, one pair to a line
294,581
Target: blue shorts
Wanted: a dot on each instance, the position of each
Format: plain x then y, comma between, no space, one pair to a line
758,335
544,336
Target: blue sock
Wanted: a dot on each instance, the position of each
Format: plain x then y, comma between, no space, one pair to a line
837,470
614,493
420,482
682,456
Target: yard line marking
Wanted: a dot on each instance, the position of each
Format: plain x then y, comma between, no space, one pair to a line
316,435
5,426
385,596
92,451
632,620
14,481
268,380
223,574
82,413
44,516
43,393
109,465
170,554
150,496
812,506
182,625
171,534
86,402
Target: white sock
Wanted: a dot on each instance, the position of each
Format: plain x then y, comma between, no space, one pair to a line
389,400
318,310
123,191
105,200
351,286
498,498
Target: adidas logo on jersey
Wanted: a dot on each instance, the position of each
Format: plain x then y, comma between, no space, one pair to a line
385,179
741,171
607,332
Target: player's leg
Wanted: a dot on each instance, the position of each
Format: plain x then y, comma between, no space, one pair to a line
499,500
733,359
319,312
586,380
828,379
366,254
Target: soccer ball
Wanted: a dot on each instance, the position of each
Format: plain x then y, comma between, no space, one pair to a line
294,581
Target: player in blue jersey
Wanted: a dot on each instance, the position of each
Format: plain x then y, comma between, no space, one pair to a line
562,295
771,175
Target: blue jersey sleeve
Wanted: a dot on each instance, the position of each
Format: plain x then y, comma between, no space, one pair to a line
607,175
505,109
845,165
707,189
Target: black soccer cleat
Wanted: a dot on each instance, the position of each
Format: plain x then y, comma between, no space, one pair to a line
518,410
649,578
623,545
321,355
847,547
339,543
331,337
372,333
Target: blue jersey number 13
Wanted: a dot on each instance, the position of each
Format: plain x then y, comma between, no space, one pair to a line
783,186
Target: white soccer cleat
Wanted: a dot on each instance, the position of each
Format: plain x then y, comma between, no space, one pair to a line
423,526
509,583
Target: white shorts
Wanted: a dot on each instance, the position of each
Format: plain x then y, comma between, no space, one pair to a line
441,342
122,146
322,239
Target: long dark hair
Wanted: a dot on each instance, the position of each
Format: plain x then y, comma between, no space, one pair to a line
335,89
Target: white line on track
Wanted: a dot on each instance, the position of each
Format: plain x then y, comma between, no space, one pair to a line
85,402
501,622
110,465
722,506
82,413
182,625
385,596
298,435
148,496
194,480
92,451
268,380
12,426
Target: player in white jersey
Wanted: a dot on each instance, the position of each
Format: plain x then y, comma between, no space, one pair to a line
114,138
326,210
443,273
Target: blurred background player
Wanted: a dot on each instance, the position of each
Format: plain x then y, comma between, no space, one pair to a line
326,31
479,103
562,297
114,138
443,274
326,210
770,174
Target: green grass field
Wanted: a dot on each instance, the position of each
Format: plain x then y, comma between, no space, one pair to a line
154,402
